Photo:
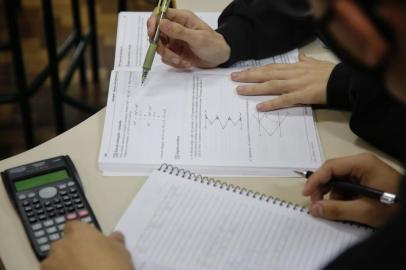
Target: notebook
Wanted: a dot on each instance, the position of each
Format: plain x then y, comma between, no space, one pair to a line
195,119
181,220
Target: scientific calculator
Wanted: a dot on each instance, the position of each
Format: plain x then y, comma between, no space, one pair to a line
46,194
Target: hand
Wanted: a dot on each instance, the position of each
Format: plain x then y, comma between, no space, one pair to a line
304,82
365,169
85,248
187,41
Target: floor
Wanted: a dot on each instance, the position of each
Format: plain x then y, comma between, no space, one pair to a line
35,58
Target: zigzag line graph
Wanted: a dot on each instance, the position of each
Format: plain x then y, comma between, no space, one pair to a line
270,123
223,122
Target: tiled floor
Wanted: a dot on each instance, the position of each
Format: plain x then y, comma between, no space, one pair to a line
35,58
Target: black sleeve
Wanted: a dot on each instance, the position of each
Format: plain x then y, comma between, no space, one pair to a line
376,117
254,30
384,249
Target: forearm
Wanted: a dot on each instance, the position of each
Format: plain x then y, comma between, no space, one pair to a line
255,30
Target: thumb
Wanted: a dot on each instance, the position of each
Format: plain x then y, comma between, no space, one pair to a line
354,210
177,31
117,236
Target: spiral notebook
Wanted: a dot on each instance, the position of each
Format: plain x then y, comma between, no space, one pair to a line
180,220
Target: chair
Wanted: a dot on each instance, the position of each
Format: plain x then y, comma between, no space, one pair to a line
23,93
78,41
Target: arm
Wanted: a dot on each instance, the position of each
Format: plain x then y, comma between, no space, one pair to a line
255,30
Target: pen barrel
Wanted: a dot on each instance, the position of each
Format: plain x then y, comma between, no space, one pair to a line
149,58
357,189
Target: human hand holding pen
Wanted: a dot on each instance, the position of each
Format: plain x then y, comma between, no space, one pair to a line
187,41
364,169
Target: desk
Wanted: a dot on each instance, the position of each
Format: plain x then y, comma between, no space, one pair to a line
109,196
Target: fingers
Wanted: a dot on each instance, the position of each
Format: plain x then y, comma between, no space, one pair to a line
282,101
274,87
264,74
335,167
178,31
171,58
355,210
117,236
185,18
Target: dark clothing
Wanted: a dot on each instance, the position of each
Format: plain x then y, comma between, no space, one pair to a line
385,249
254,30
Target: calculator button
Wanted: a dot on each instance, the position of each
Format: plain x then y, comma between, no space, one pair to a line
66,198
30,214
44,248
61,226
62,186
26,203
63,192
75,196
59,206
54,237
52,214
71,216
80,206
77,201
71,184
42,240
36,226
69,203
87,219
51,230
40,212
72,190
59,219
42,217
31,195
28,209
61,212
50,209
32,220
47,204
48,192
48,223
71,209
83,213
39,233
22,197
57,201
35,200
37,206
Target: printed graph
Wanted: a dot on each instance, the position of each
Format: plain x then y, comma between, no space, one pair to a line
270,123
223,122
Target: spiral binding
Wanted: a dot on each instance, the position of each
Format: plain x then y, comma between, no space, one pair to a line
186,174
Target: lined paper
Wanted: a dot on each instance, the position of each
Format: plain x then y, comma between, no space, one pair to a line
175,223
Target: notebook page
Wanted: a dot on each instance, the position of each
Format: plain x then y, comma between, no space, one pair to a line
174,223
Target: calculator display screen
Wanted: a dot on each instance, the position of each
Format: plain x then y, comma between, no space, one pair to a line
40,180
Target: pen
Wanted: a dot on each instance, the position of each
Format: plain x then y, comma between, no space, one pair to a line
383,197
161,8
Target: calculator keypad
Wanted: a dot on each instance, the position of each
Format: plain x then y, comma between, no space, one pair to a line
48,209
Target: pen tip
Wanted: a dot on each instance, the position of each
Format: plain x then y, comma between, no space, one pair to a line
301,173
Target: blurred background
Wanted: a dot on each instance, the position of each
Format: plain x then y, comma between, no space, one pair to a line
34,80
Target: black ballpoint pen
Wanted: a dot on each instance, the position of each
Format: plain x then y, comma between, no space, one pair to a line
383,197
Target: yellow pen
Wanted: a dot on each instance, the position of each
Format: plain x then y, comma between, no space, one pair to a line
161,9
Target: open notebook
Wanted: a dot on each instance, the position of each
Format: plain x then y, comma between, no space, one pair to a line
195,118
180,220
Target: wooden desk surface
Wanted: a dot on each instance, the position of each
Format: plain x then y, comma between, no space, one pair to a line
109,196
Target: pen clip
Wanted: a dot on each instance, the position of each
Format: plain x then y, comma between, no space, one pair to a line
163,6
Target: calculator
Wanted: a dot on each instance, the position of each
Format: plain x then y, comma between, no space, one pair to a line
46,194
